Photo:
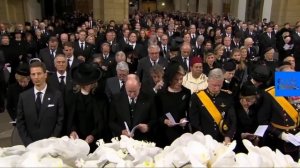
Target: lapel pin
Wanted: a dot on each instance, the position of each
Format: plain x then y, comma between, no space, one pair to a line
48,98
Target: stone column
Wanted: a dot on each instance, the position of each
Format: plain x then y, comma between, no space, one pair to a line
111,10
4,11
192,5
202,8
285,11
176,5
31,14
241,9
267,7
217,7
15,11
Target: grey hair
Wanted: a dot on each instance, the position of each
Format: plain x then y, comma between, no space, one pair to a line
120,53
123,66
153,46
216,74
200,37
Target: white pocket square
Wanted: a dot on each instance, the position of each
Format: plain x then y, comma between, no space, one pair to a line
50,105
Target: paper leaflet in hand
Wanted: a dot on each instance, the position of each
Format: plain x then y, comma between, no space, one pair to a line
260,131
171,118
295,140
128,130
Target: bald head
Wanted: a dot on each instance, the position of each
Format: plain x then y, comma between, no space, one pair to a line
132,86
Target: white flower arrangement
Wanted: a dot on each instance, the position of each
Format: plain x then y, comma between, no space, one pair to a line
189,150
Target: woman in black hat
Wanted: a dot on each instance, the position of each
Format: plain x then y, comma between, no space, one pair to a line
23,83
246,117
174,100
86,111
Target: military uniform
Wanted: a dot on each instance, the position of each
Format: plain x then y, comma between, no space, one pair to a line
202,120
280,119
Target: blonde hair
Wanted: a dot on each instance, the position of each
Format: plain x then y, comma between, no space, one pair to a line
77,88
21,77
241,65
207,55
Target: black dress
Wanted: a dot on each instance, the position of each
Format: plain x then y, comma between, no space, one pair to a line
177,104
13,93
87,115
246,123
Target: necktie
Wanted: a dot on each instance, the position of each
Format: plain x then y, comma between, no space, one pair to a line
122,88
38,102
62,84
164,50
153,63
52,53
82,46
131,109
68,65
269,35
62,80
185,63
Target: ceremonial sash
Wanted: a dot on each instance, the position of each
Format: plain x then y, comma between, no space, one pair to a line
285,104
210,107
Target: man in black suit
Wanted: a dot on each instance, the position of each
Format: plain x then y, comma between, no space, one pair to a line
251,51
71,59
138,49
110,39
193,34
61,78
40,109
47,55
83,50
164,47
183,58
146,63
115,85
267,39
107,60
123,39
135,108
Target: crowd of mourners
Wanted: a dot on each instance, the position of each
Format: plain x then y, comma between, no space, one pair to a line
153,77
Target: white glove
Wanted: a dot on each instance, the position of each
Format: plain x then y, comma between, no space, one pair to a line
284,137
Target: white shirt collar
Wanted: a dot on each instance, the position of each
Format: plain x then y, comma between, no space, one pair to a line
129,98
43,92
71,58
156,62
59,75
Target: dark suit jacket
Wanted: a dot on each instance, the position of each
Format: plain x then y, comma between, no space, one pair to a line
112,87
48,59
144,66
139,50
48,123
75,63
54,82
161,53
180,60
265,41
87,52
144,112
